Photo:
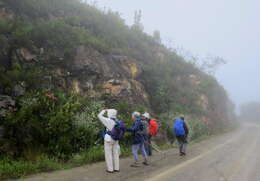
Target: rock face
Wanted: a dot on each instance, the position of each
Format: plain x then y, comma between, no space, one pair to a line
26,55
109,74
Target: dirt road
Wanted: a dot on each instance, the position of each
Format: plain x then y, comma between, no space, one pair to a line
231,157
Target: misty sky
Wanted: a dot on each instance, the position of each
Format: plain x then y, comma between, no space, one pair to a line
226,28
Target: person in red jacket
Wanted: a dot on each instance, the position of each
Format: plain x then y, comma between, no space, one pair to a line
153,129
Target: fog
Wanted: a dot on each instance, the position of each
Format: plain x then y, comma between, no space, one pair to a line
228,29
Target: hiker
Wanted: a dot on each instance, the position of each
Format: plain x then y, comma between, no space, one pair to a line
138,139
181,131
114,132
152,131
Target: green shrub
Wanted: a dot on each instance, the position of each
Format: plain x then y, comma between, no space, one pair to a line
93,154
70,121
87,126
41,116
198,129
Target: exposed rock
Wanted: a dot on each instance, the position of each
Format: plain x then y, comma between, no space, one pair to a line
76,86
116,75
27,55
139,89
203,102
119,57
85,61
195,80
132,69
116,87
6,14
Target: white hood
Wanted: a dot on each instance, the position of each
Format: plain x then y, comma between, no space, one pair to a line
146,115
111,113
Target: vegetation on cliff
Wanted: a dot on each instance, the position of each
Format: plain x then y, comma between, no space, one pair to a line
63,60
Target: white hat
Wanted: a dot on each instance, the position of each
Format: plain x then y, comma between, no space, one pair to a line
146,115
136,114
111,113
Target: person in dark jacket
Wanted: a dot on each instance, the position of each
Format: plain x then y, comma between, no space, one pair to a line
181,131
138,139
152,131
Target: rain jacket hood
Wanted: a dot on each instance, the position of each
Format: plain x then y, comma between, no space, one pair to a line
111,113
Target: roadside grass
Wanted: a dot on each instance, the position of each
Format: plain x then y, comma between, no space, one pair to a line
14,169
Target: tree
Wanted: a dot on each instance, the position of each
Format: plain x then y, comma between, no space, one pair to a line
210,64
157,36
137,21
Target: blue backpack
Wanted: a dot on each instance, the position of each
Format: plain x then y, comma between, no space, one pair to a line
178,127
118,131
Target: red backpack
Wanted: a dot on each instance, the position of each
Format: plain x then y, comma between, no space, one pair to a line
153,127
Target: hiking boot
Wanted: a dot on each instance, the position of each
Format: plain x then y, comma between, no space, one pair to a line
135,164
145,163
109,171
182,154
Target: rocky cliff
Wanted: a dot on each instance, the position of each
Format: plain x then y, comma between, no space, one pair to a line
72,46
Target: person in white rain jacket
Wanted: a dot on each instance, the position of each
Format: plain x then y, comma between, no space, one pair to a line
111,146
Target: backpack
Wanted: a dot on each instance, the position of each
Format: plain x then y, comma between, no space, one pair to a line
153,127
178,127
118,131
144,127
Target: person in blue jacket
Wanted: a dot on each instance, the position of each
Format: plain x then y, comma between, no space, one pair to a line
138,139
181,131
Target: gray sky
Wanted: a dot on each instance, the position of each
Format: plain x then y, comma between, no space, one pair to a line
226,28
